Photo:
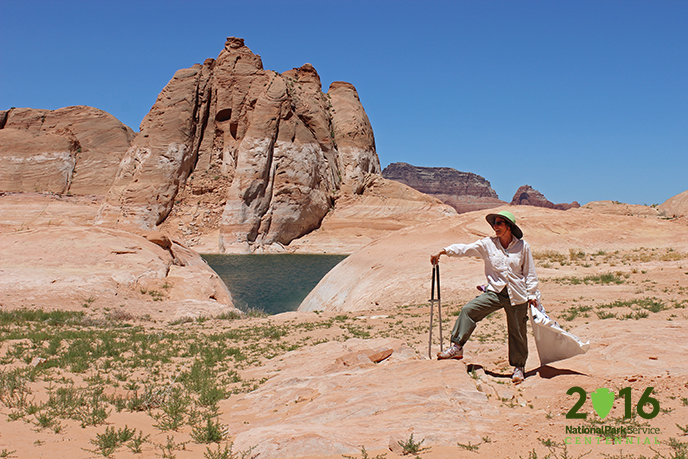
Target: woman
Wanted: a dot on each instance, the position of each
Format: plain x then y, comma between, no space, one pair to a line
512,285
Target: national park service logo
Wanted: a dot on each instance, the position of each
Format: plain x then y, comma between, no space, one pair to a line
602,401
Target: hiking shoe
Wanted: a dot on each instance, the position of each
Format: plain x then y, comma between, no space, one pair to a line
454,352
518,376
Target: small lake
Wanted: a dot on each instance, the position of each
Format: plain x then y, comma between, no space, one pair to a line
271,283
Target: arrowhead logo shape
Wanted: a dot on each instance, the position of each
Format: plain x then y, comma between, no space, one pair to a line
602,401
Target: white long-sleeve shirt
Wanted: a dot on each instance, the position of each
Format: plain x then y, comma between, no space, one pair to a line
512,267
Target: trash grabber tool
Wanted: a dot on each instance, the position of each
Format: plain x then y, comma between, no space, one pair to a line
433,300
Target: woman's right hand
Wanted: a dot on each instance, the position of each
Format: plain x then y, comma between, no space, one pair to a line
435,259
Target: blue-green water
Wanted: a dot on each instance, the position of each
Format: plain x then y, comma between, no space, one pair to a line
271,283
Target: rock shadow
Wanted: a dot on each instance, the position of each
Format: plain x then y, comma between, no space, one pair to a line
471,367
547,372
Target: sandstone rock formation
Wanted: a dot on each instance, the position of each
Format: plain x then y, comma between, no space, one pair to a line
382,207
267,151
676,206
621,208
74,150
527,196
76,267
231,158
353,135
55,170
322,401
23,211
395,270
464,191
329,400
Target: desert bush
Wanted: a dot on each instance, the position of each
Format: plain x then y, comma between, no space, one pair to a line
210,432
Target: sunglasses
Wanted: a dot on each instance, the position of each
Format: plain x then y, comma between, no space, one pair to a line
499,222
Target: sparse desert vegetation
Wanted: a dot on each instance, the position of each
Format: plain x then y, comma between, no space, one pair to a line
92,376
128,383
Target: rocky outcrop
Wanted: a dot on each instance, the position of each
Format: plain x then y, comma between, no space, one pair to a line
394,270
23,211
305,409
676,206
620,208
267,152
45,163
464,191
72,150
353,135
527,196
382,207
101,270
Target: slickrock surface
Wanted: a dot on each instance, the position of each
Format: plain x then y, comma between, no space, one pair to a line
330,399
325,399
464,191
676,206
527,196
23,211
65,266
74,150
620,208
52,257
382,207
307,385
379,274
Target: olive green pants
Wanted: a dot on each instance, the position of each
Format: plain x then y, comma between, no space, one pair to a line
516,319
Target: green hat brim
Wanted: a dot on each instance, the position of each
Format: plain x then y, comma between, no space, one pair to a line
511,220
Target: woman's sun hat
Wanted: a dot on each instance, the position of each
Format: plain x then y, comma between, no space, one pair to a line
510,219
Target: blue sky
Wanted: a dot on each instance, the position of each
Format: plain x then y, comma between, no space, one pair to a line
583,100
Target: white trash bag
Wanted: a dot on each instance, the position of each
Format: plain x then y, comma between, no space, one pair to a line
553,342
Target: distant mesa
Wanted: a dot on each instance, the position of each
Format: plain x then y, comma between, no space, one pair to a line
464,191
527,196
